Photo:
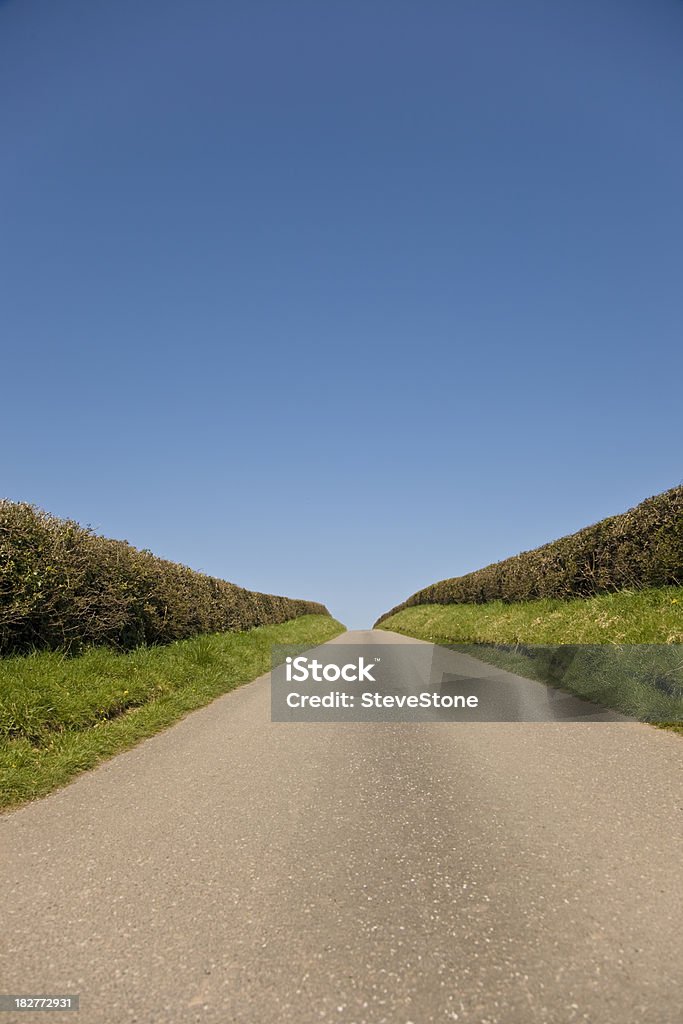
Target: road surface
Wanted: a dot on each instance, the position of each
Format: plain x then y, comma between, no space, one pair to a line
235,870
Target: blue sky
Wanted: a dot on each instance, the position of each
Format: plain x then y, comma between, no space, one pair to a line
338,299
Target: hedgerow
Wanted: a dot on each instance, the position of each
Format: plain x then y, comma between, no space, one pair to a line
639,548
63,587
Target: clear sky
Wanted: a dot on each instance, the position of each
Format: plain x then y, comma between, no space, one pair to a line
336,299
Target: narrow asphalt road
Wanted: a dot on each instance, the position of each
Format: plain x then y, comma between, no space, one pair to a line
236,870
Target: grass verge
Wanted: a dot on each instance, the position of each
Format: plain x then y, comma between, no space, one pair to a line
647,688
61,715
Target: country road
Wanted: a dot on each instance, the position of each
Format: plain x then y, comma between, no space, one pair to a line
237,870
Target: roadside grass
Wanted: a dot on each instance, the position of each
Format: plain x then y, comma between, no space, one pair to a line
562,643
62,715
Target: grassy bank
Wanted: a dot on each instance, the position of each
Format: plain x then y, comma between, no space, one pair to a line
644,685
641,617
60,715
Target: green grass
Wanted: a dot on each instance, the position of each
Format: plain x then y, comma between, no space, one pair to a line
61,715
629,617
626,680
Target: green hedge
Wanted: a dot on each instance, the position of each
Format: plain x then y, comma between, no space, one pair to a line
640,548
62,587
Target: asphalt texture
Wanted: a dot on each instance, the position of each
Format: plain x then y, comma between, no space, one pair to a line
232,869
